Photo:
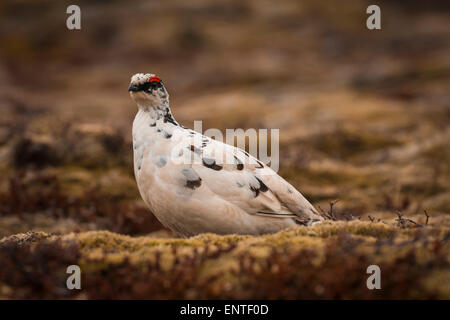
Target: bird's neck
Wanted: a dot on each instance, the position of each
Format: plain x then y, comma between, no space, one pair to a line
157,113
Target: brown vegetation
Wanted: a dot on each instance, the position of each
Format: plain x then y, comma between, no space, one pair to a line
363,117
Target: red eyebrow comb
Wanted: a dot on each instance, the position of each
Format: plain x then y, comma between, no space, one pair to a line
154,79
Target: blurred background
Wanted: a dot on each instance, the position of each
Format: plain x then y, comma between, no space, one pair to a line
363,115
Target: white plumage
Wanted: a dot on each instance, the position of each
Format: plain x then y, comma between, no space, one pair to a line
194,184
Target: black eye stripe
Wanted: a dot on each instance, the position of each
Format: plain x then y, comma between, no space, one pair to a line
146,86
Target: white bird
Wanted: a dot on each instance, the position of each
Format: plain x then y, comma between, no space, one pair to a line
194,184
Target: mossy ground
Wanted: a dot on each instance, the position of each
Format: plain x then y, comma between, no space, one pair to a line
325,261
363,117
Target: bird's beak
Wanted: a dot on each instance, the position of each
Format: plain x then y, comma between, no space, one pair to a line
133,88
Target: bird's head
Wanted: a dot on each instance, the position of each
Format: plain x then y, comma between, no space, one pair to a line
147,90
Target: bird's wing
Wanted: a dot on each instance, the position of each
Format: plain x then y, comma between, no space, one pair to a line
243,180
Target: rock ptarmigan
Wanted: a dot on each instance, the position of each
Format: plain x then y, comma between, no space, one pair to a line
194,184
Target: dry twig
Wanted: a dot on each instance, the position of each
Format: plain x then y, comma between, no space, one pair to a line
427,215
403,222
